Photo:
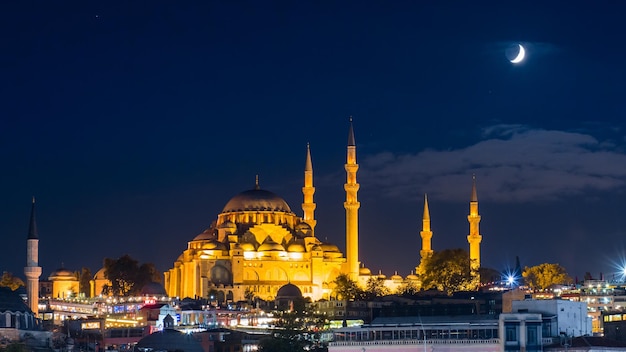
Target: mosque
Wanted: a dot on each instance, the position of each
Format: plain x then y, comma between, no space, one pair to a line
258,244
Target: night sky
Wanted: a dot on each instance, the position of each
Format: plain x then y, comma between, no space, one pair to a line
134,123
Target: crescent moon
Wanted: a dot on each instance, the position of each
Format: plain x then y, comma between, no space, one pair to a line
520,55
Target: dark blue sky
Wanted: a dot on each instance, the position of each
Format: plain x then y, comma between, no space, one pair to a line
134,124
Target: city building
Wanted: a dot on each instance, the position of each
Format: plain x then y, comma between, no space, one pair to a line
18,321
416,333
257,244
64,283
571,317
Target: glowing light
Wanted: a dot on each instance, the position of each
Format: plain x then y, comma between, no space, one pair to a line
510,280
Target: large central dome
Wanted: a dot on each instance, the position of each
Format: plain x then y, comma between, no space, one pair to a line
256,200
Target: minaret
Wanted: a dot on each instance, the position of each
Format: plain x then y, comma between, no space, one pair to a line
426,233
474,238
308,206
352,208
32,269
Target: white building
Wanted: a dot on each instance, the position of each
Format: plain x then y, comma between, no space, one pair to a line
571,317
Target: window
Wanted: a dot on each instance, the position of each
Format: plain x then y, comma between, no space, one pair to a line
511,334
531,335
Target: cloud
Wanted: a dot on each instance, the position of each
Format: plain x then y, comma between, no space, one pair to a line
513,163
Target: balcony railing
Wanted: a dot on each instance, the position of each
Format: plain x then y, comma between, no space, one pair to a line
416,342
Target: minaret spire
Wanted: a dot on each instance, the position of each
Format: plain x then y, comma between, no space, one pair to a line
308,206
352,208
474,238
32,270
426,235
351,141
474,194
32,227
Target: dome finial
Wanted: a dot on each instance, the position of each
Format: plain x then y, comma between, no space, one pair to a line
256,182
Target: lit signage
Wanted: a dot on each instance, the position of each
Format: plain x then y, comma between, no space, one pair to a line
90,325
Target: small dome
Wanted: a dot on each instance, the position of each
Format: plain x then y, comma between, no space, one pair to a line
100,275
214,245
412,277
170,340
153,289
329,247
256,200
296,247
304,229
10,301
267,247
396,277
62,273
365,271
288,291
249,247
206,235
228,225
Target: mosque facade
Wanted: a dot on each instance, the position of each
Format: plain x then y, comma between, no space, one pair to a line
258,244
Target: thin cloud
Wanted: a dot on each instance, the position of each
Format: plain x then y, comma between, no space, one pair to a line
513,163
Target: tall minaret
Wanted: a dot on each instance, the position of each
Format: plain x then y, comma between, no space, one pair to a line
32,269
352,208
308,206
474,236
426,233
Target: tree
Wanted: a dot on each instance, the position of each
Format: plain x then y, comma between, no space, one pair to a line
346,288
249,295
449,271
542,276
489,275
408,289
127,277
84,279
298,329
10,281
375,287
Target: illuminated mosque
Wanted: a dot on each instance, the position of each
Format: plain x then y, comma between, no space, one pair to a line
258,244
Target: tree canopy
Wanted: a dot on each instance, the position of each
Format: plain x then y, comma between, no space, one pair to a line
84,278
127,276
298,330
542,276
375,287
448,270
346,288
408,289
10,281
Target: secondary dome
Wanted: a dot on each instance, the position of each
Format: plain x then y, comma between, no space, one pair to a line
62,273
289,291
296,247
268,246
169,340
256,200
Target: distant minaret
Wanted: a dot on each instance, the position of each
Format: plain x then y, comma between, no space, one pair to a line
352,208
426,233
32,269
308,206
474,238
